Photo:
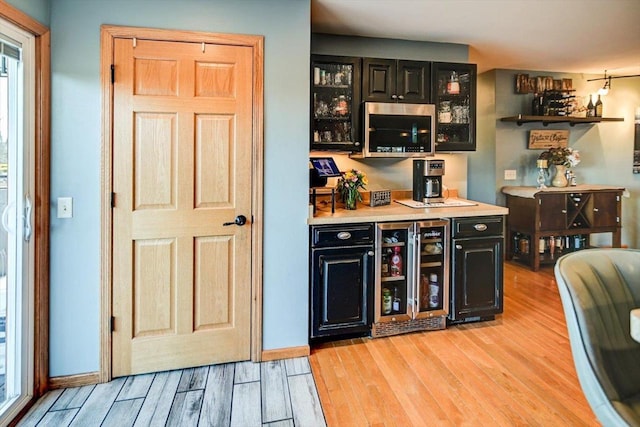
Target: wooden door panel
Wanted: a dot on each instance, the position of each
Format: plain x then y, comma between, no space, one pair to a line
155,166
182,168
155,77
214,148
214,274
154,287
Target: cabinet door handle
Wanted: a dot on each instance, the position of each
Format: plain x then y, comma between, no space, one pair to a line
596,210
564,211
400,96
394,96
458,246
371,253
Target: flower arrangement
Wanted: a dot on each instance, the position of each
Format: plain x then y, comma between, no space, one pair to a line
349,184
565,156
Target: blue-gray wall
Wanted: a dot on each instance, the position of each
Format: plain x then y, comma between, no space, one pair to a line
37,9
75,146
606,149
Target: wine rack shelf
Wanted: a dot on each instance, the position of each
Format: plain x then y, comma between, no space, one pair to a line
546,120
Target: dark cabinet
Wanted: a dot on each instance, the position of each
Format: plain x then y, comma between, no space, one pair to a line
544,225
335,102
395,80
454,95
342,261
477,269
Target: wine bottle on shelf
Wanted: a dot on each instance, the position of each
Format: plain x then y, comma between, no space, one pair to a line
598,107
591,109
386,301
396,299
395,265
434,291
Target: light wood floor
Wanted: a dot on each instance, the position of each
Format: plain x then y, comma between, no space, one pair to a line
277,394
514,371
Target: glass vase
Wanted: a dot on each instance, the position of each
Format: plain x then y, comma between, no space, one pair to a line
350,199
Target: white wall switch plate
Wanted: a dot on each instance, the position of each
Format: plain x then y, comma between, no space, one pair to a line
65,207
510,174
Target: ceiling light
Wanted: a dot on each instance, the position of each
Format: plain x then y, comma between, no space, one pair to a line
607,82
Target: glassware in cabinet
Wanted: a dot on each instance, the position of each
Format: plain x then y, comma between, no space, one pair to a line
454,95
335,98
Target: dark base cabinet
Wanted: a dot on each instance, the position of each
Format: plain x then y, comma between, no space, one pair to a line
341,281
477,265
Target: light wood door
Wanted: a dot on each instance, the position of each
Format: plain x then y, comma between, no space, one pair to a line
182,141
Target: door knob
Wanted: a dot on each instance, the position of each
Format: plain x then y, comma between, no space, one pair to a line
240,221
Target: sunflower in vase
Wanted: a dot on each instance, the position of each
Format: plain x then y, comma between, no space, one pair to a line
348,186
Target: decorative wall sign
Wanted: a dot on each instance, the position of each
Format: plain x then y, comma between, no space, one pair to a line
543,139
529,84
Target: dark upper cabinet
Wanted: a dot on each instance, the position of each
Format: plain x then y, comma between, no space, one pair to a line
335,102
394,80
454,95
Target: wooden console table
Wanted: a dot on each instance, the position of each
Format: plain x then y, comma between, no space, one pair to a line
544,224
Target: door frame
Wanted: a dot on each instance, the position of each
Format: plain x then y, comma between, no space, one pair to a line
107,35
42,104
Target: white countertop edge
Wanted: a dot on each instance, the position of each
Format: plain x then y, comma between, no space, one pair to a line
398,212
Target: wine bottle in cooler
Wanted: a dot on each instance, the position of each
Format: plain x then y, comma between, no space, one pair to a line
395,265
434,291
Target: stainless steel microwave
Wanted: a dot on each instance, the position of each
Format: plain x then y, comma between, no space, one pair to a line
398,130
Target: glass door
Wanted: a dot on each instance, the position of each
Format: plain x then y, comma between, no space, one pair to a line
393,272
16,247
432,291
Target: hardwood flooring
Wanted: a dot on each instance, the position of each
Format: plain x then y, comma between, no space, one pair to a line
276,394
514,371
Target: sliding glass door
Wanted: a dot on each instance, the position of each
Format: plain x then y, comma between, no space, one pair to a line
16,247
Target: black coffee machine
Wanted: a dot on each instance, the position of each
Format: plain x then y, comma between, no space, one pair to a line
427,180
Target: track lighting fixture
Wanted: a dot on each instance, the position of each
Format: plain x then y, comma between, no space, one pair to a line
607,82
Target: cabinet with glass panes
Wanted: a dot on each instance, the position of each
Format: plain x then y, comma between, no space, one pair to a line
335,98
454,95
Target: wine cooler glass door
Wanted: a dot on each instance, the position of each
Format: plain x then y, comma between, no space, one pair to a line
432,281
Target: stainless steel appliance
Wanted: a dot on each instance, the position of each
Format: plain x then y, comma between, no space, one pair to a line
427,180
412,276
398,130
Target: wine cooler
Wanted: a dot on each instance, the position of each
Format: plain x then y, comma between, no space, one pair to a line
411,277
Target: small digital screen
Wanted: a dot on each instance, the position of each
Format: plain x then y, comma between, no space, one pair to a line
325,166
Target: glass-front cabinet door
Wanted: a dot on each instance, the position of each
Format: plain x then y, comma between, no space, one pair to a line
394,274
454,95
335,101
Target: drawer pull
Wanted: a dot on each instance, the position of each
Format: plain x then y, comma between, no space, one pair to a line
480,227
344,235
564,211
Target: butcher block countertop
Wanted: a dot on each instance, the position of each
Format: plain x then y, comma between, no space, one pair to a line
399,212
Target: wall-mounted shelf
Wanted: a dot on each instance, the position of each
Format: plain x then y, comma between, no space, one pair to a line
545,120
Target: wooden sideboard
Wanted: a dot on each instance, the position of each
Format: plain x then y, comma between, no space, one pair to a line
545,224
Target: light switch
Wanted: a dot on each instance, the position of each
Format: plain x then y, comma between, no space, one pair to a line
65,207
510,174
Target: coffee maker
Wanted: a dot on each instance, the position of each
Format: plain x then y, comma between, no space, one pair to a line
427,180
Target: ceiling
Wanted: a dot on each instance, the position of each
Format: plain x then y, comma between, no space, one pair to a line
577,36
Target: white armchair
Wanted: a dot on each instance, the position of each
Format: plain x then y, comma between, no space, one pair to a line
599,288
